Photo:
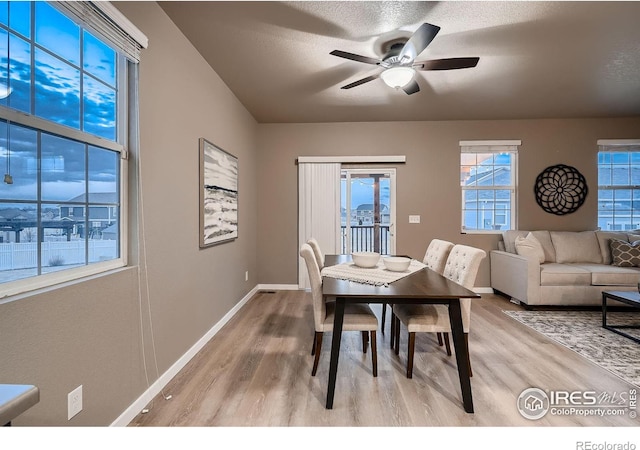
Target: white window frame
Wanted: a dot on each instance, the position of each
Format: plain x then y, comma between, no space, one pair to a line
492,146
107,23
613,146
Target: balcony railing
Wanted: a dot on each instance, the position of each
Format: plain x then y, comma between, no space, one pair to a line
363,239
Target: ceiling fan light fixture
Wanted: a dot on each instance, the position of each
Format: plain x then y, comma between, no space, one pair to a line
397,77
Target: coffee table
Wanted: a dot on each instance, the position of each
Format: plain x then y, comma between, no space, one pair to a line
631,298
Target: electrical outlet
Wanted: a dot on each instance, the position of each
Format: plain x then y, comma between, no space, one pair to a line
246,276
74,402
414,219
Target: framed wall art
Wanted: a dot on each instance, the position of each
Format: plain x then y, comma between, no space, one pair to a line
218,195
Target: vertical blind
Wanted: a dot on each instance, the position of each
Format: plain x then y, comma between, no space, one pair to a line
318,209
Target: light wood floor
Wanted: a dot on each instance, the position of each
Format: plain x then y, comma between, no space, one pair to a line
257,372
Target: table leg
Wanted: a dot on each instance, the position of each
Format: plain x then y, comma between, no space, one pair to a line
462,353
604,310
335,349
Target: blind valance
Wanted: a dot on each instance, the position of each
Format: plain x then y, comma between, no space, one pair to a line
489,146
103,18
619,145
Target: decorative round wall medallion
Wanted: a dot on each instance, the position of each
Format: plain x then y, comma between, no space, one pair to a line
560,189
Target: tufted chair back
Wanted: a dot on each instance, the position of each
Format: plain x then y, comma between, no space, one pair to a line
437,253
462,267
319,307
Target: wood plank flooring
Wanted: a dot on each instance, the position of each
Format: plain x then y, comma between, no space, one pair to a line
257,372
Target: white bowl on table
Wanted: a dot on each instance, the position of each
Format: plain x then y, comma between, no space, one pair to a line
397,263
365,259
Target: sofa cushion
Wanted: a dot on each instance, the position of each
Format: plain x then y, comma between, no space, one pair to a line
606,275
576,246
604,241
530,247
632,237
554,274
509,239
544,238
625,254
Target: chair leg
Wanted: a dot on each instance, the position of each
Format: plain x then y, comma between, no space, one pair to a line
384,315
318,347
397,338
393,329
313,347
365,341
410,349
447,345
439,339
466,338
374,353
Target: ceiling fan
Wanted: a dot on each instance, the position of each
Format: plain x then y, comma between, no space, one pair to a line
399,62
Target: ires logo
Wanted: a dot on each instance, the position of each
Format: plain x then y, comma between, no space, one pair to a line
535,403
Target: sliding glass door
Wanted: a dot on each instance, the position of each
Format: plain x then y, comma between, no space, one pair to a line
367,210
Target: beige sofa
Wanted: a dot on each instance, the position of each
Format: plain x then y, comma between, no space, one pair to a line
577,267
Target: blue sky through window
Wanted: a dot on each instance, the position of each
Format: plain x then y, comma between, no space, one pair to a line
66,58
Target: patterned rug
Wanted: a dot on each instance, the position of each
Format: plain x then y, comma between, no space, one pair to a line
582,332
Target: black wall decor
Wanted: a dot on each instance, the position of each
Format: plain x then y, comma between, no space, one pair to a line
560,189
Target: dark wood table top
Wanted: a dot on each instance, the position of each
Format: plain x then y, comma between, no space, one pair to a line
420,285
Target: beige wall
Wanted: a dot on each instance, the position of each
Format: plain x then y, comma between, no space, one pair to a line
89,332
428,184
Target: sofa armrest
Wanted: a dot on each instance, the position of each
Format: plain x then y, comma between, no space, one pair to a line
516,276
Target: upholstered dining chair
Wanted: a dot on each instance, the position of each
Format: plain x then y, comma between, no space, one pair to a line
435,259
317,251
357,317
436,255
461,267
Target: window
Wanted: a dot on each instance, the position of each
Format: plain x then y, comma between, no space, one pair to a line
619,185
488,179
63,133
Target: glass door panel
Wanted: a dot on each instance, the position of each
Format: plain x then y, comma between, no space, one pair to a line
367,210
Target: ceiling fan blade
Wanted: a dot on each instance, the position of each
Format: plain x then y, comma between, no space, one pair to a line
359,82
418,42
354,57
411,88
446,64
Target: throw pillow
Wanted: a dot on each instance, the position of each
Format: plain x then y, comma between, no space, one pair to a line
529,246
625,254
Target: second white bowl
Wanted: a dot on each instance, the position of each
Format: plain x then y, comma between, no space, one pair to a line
397,263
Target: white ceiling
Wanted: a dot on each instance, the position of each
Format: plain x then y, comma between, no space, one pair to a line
537,59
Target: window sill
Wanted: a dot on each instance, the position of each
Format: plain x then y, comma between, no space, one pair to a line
482,231
31,286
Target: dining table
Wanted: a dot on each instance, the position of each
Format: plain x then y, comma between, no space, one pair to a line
424,286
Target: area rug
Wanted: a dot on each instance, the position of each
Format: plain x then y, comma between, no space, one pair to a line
582,332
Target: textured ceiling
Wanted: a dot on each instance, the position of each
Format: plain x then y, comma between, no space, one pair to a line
537,59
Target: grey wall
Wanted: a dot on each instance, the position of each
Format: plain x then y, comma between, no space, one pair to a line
89,332
428,183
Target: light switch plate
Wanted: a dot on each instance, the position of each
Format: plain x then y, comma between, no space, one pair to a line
414,219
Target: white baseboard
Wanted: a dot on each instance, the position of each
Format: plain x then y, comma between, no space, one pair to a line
278,287
482,290
134,409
